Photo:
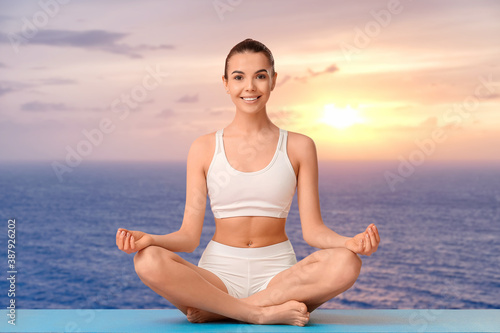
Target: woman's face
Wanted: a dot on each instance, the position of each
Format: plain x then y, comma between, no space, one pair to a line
249,81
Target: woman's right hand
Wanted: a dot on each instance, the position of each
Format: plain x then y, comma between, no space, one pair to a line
132,241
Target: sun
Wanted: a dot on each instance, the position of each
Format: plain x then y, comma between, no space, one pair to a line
341,118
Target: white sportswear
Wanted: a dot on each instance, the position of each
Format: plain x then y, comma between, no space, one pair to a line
267,192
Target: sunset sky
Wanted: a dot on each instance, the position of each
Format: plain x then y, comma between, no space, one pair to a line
367,80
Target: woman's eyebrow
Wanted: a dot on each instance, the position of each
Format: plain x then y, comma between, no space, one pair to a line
240,72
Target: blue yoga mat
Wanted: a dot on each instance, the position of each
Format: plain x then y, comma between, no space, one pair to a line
321,321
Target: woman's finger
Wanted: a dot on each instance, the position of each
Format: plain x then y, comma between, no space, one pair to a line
120,240
127,242
373,239
375,231
368,243
374,244
132,243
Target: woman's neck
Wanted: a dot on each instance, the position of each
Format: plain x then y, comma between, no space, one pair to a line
250,124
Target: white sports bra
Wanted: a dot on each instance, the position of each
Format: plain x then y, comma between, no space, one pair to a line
267,192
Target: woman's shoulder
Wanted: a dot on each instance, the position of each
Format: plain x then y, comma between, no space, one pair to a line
299,141
300,148
204,144
202,149
204,141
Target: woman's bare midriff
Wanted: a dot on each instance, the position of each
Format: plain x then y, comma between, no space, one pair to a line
250,231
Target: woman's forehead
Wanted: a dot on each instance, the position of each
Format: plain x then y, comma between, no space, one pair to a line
249,61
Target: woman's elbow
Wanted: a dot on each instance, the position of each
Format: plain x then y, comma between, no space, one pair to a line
308,237
192,246
192,240
186,240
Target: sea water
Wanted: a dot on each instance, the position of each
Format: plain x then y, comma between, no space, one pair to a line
440,229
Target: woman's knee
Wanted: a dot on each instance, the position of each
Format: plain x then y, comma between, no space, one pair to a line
149,262
349,258
345,264
351,267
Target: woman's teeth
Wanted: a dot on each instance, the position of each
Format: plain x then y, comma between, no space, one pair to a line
250,99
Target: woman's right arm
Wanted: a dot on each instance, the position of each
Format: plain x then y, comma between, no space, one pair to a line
187,238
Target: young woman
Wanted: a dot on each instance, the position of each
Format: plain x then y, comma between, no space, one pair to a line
250,170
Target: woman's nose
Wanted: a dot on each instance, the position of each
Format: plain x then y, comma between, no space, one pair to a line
250,85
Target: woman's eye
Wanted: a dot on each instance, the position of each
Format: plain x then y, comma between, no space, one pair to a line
238,77
261,76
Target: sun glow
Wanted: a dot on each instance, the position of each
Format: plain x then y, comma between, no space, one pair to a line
341,118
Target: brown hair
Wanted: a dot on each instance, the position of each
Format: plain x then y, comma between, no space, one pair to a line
250,45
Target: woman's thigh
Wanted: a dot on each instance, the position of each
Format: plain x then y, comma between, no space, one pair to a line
294,274
165,257
312,280
326,261
207,275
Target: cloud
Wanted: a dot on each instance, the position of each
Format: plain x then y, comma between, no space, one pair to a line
491,96
57,81
285,117
283,80
5,90
331,69
217,111
188,99
9,86
36,106
5,18
166,113
91,39
425,127
430,122
303,79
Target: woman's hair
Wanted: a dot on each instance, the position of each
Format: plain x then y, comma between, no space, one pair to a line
250,45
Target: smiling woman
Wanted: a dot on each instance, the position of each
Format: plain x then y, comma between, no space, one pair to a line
249,88
249,271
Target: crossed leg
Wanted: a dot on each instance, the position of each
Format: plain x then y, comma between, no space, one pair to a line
314,280
187,285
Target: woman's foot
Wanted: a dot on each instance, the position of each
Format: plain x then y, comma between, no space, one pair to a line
289,313
195,315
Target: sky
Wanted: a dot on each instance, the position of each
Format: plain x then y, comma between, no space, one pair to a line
141,80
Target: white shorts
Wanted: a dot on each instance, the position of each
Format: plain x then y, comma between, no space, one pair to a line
246,271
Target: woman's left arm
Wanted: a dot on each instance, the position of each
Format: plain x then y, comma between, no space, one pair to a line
314,230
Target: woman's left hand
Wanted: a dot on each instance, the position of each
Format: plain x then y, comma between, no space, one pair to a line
365,243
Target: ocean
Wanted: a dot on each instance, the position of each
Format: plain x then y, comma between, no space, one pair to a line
440,229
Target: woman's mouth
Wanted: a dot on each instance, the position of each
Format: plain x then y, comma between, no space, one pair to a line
250,99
